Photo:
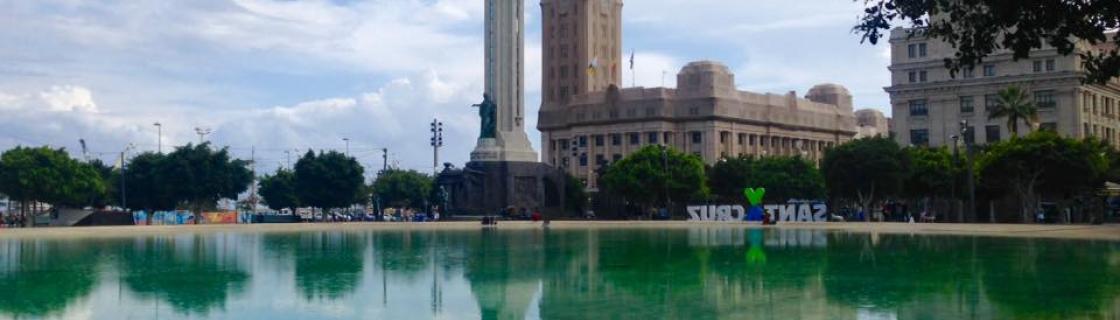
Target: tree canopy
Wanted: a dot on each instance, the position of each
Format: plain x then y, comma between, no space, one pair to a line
328,180
981,27
647,176
401,188
863,170
48,175
199,176
1043,164
928,172
785,178
279,190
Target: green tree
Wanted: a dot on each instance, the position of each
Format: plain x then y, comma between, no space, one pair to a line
928,172
1017,107
31,175
785,178
863,170
981,27
653,174
328,180
576,195
199,176
1043,164
146,183
279,190
729,176
401,188
111,179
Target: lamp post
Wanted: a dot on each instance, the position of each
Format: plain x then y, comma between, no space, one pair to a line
437,142
124,198
202,132
159,137
347,140
971,181
953,183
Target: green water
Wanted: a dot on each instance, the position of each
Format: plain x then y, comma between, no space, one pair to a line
700,273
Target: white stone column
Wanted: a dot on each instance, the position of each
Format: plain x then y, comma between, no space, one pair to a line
505,80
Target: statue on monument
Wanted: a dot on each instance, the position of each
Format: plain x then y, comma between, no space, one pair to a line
488,114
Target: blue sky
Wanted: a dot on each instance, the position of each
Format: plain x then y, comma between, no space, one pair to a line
296,75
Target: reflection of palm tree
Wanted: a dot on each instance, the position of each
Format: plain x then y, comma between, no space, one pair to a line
1016,106
194,278
41,278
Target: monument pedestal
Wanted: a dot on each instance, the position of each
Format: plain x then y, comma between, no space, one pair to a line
494,187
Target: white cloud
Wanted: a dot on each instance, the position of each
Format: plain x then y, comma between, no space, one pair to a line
281,75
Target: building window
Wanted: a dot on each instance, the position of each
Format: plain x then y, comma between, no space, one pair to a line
613,114
921,50
969,73
1049,64
1045,99
912,50
616,139
742,139
918,108
989,70
583,160
635,139
913,76
1038,66
919,137
970,135
583,141
632,113
652,137
1048,126
967,105
600,160
693,111
651,112
922,76
991,101
563,144
697,137
599,141
992,132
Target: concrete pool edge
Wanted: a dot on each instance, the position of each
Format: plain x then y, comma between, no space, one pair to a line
1089,232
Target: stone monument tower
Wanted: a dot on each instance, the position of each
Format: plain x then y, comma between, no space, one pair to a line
504,176
503,135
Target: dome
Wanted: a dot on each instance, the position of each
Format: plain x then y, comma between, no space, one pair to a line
826,89
705,66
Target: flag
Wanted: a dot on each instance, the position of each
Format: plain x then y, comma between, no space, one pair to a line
592,66
631,59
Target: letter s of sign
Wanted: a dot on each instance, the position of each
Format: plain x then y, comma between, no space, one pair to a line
820,212
693,213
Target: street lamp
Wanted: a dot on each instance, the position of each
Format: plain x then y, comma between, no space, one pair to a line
159,137
347,146
971,181
202,132
437,142
953,183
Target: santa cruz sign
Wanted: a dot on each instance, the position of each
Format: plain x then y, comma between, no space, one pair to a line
792,211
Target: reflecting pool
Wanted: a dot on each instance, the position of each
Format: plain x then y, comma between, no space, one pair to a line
638,273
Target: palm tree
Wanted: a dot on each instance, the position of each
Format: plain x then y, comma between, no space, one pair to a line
1017,106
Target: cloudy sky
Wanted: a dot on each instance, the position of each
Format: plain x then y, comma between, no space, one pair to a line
296,75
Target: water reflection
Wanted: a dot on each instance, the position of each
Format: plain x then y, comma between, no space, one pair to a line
193,274
700,273
40,277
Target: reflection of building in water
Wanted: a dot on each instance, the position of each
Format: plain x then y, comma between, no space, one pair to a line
504,273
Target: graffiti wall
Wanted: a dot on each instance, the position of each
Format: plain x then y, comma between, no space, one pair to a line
162,218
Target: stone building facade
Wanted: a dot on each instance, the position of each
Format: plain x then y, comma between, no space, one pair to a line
705,115
586,120
582,47
871,123
928,104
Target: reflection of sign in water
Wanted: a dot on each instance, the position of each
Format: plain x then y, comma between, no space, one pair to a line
793,211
